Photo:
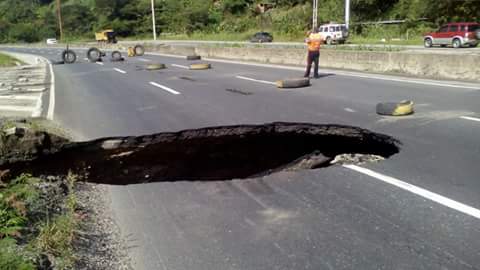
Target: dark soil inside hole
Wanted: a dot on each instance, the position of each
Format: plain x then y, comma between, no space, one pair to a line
215,153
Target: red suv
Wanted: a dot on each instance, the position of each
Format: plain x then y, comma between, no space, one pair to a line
455,34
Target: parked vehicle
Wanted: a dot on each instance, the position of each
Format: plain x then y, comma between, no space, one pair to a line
333,33
106,36
51,41
261,37
455,34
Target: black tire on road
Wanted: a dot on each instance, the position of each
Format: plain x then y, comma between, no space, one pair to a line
94,55
293,83
194,57
69,57
139,50
428,43
395,109
117,56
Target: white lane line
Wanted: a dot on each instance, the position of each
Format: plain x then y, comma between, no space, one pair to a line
144,60
165,88
349,110
99,63
19,97
419,191
254,80
180,66
51,98
16,108
119,70
470,118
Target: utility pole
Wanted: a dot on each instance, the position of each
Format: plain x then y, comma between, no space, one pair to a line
153,21
347,14
59,18
315,15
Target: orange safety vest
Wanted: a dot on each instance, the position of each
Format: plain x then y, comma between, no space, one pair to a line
314,41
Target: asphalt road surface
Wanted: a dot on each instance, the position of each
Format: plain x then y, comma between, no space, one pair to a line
417,210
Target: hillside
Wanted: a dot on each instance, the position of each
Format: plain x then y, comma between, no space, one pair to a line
35,20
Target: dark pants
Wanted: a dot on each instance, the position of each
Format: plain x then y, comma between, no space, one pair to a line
313,56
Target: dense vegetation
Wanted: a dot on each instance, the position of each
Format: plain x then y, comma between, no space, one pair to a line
34,20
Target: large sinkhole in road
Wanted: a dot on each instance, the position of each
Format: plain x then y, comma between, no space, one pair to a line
215,153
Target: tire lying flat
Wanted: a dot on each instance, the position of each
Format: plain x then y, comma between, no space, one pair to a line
293,83
194,57
200,66
395,109
155,66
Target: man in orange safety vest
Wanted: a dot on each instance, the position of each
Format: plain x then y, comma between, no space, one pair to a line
313,42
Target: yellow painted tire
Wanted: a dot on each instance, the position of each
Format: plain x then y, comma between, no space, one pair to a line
395,109
155,66
293,83
200,66
131,52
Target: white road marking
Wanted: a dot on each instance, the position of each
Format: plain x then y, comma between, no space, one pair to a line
119,70
16,108
165,88
254,80
19,97
51,99
419,191
180,66
99,63
470,118
144,60
349,110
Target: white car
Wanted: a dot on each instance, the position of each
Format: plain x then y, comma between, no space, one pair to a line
51,41
333,33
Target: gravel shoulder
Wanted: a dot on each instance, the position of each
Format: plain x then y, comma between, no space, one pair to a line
99,245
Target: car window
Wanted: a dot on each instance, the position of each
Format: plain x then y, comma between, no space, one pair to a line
320,29
473,28
337,28
453,28
462,28
443,29
332,28
343,27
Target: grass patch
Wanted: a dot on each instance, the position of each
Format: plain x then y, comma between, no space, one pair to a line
7,61
37,221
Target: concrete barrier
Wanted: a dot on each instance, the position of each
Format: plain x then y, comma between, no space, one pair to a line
426,65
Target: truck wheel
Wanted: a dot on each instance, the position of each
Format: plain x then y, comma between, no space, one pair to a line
94,55
139,50
69,57
428,43
456,43
328,41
